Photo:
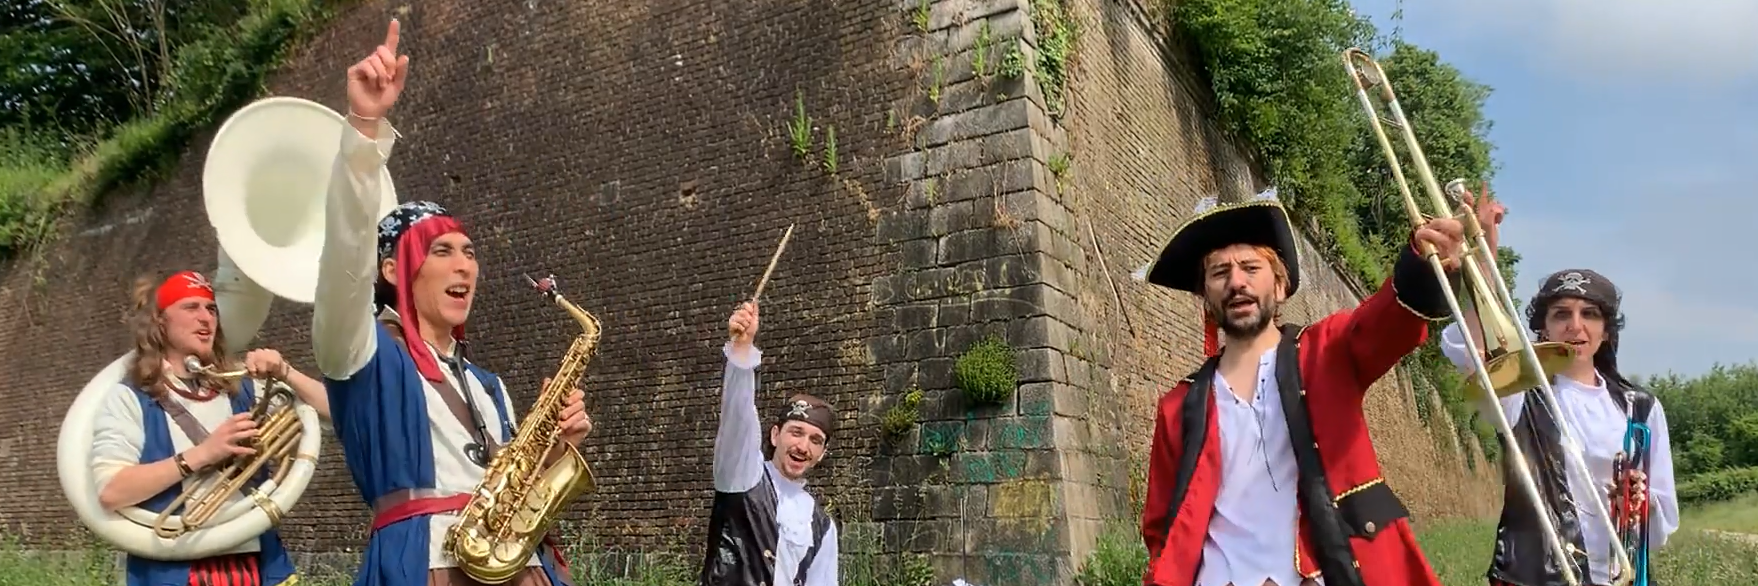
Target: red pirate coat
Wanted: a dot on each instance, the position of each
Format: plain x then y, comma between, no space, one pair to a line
1352,528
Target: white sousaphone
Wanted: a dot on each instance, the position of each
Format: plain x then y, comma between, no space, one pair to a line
264,187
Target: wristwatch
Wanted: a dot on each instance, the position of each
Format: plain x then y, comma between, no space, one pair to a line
182,465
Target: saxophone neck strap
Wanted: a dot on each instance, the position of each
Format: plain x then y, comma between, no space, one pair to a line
459,404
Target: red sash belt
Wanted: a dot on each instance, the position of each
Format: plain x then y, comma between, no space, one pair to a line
403,505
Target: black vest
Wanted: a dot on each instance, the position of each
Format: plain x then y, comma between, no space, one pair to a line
1522,558
742,537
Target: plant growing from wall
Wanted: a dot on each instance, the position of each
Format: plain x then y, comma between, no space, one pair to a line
1057,34
1275,67
902,416
799,129
986,373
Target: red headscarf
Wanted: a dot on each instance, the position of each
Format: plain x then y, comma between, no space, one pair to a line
183,286
411,253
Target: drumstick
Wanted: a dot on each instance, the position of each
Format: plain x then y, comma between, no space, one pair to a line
772,260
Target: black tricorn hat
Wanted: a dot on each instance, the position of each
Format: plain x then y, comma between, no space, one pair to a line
1261,220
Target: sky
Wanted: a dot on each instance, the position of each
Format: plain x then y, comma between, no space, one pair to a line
1619,138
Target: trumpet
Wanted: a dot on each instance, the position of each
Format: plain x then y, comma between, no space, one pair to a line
1633,529
1511,364
277,444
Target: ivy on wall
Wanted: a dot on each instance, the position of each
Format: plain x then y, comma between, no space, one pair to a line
1276,70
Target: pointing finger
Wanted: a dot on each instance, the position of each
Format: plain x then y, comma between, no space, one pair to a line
391,36
387,59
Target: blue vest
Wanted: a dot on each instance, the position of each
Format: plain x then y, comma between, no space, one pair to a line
380,418
274,563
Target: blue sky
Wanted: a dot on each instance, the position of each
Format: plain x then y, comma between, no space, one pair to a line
1620,135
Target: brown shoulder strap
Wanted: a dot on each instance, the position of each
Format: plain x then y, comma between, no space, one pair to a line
192,428
454,401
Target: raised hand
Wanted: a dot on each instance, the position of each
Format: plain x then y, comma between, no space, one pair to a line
225,442
375,82
741,328
1447,236
1490,212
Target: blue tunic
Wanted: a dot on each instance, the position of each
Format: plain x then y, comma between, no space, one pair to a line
380,418
273,562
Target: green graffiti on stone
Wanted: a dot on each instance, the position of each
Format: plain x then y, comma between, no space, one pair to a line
941,438
992,467
1024,433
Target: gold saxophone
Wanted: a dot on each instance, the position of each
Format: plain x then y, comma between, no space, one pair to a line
518,499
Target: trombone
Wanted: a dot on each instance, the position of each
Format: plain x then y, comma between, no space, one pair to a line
276,444
1512,363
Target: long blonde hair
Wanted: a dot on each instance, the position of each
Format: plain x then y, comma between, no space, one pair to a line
146,323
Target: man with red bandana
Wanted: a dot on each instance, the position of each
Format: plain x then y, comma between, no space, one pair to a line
1262,472
164,425
418,422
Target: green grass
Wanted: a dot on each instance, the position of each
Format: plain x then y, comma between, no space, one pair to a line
1740,515
1460,552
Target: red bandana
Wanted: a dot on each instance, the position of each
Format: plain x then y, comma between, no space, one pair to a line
411,253
183,286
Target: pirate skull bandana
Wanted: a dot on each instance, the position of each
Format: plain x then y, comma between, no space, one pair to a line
183,286
1582,284
809,410
405,235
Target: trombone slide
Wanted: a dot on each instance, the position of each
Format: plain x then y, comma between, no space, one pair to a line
1512,363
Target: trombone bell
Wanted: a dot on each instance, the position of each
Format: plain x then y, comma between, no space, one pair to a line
1511,377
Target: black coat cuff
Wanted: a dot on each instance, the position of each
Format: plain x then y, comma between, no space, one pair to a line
1417,289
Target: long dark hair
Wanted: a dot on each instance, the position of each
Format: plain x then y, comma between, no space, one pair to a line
146,324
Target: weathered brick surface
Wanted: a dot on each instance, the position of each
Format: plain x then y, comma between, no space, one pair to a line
640,153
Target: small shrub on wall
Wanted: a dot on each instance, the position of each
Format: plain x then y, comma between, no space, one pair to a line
986,373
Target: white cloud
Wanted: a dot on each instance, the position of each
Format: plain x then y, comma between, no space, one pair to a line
1641,41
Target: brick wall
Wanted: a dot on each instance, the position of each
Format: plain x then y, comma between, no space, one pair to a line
640,152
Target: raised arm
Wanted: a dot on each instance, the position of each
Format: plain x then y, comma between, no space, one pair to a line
738,445
342,325
1393,321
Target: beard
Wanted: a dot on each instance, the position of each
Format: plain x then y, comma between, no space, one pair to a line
1246,326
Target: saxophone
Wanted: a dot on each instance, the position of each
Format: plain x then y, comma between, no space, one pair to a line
519,498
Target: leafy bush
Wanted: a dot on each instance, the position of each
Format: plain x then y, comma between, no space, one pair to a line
986,373
1713,418
214,60
1720,485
